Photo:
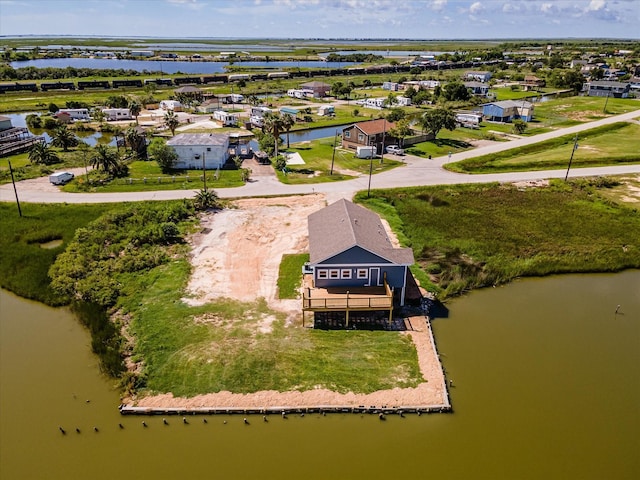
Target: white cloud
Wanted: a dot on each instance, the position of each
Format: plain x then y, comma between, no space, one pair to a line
438,5
475,8
596,5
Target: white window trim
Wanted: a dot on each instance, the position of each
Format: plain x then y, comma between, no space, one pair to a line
347,134
323,274
334,274
363,273
345,273
361,137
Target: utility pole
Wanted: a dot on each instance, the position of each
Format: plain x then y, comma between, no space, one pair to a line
333,156
384,131
370,172
204,173
604,110
575,147
14,189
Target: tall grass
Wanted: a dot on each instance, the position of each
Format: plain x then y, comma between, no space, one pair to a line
24,264
290,274
471,236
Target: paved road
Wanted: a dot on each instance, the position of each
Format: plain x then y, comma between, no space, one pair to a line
418,171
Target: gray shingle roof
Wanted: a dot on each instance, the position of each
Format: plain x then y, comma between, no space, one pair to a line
215,139
343,225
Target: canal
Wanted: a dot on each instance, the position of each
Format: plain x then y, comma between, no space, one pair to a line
546,385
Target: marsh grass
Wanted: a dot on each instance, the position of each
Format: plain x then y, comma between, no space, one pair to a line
607,145
474,236
23,263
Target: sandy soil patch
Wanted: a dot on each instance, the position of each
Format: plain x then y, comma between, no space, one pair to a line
42,184
237,255
238,251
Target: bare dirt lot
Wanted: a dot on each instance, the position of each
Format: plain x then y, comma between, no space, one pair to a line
237,254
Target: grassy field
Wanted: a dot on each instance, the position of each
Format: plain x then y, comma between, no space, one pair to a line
565,112
147,176
317,156
245,348
607,145
24,264
474,236
23,169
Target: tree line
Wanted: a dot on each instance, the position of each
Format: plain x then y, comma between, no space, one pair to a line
7,72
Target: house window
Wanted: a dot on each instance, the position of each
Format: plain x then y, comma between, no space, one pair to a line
208,149
363,273
345,273
347,134
334,274
323,274
361,137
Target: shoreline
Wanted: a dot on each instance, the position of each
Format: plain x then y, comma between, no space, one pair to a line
430,396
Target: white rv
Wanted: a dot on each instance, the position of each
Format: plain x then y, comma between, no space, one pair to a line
75,113
112,114
227,119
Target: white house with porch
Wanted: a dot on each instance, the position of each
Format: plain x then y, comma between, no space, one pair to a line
197,149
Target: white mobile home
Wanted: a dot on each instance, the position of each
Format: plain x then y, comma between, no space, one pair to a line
75,113
326,110
196,149
260,111
113,114
174,105
227,119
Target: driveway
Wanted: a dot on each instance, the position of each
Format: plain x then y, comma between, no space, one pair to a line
417,171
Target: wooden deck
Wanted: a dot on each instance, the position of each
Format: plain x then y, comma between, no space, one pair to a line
345,299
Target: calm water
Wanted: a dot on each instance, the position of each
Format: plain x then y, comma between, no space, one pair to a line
384,53
91,138
168,66
547,386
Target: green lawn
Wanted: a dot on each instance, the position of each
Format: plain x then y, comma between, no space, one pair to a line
147,176
470,236
226,346
607,145
23,169
290,274
317,156
568,111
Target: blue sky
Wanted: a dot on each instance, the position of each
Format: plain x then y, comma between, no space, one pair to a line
416,19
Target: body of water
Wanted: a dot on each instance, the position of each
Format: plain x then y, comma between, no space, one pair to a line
168,66
91,138
546,386
384,53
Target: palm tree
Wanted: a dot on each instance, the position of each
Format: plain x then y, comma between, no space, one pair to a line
206,199
287,122
137,142
104,158
274,125
135,108
41,153
171,121
64,138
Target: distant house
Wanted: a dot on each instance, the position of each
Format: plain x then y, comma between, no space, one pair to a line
173,105
507,111
189,91
372,133
74,113
352,263
531,82
478,76
478,89
142,53
319,89
324,110
392,86
607,88
5,123
194,149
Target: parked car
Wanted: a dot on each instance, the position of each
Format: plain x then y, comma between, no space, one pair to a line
395,149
